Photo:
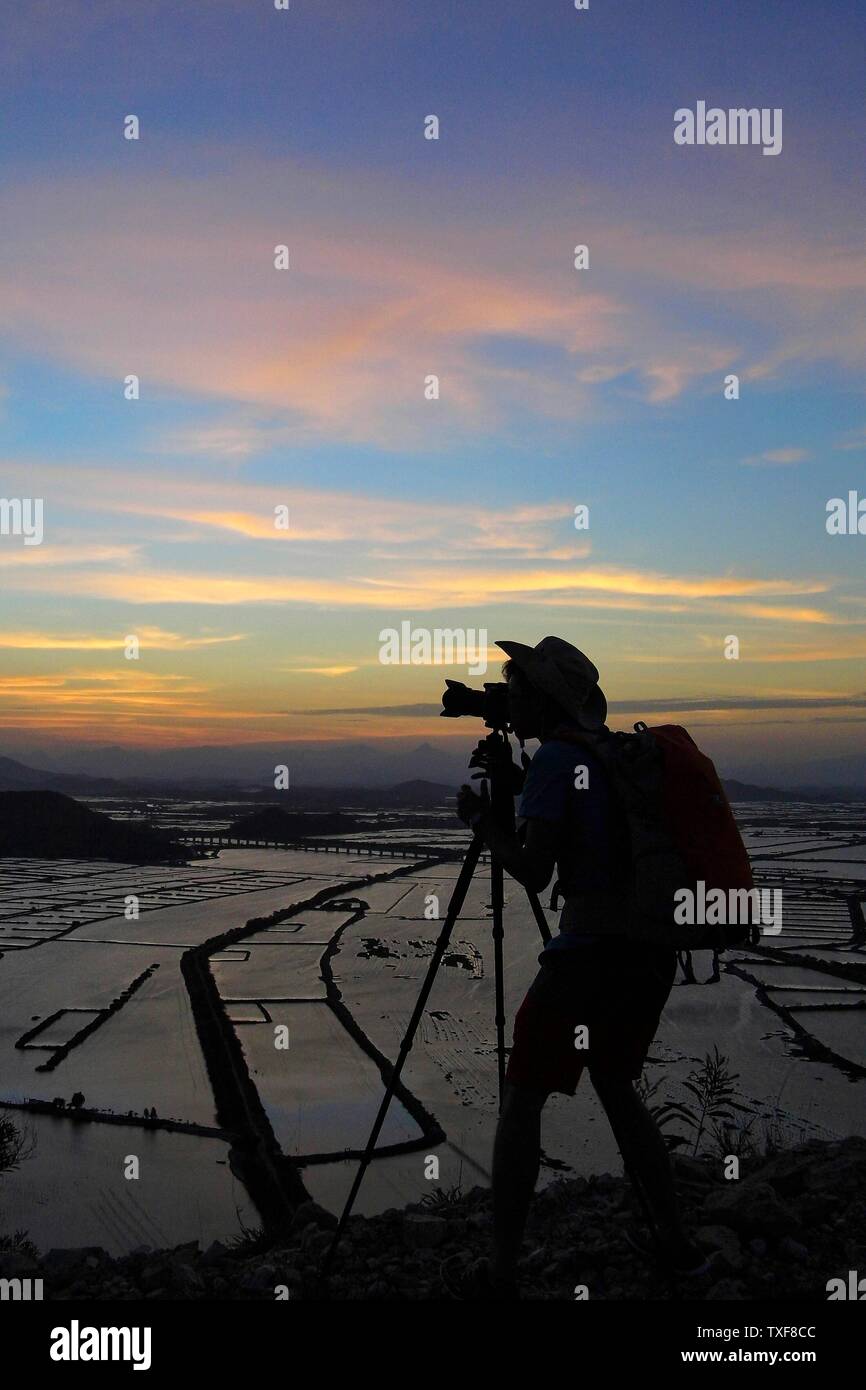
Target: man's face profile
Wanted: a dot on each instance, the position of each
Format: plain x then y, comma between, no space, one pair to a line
522,707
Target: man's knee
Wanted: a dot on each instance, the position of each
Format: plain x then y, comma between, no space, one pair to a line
613,1087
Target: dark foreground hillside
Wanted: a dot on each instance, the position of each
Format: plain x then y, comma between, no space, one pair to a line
796,1222
49,825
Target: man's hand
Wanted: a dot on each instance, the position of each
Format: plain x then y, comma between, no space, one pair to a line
470,804
497,759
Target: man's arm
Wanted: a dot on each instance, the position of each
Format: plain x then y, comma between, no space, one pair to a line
531,862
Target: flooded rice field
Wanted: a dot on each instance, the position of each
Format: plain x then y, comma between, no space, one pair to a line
103,1056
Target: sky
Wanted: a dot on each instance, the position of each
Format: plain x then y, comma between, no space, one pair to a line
304,388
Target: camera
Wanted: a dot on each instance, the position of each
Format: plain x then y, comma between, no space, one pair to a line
489,704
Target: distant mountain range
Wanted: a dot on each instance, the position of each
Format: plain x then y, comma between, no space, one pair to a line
15,776
320,774
113,770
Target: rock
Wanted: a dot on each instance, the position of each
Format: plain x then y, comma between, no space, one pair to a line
758,1247
727,1289
153,1275
311,1213
215,1252
315,1244
61,1262
813,1208
185,1281
751,1207
479,1221
261,1279
844,1173
424,1232
187,1251
694,1170
603,1182
726,1244
787,1173
793,1250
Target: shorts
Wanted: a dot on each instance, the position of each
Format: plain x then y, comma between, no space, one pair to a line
613,988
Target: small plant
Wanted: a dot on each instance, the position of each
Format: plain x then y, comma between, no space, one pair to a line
729,1137
249,1240
18,1244
712,1086
16,1145
443,1197
662,1114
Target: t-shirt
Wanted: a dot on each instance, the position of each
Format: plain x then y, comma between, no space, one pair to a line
557,789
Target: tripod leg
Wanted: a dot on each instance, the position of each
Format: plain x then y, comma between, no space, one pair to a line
538,914
497,897
454,906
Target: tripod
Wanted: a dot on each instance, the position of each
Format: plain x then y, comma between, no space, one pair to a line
491,755
494,756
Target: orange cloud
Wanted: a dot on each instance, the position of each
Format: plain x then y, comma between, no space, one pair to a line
341,343
420,589
152,638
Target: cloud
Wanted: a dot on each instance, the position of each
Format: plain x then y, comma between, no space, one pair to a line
854,443
340,345
776,613
778,456
14,553
321,670
419,589
129,701
151,638
315,514
652,705
401,710
377,553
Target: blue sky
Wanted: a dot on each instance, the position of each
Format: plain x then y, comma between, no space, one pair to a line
411,257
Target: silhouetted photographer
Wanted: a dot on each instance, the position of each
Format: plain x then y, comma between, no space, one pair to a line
598,996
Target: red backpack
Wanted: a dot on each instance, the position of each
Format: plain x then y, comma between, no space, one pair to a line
682,834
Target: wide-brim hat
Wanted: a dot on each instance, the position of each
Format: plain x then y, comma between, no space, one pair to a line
566,674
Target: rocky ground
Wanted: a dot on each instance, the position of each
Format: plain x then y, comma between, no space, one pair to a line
796,1221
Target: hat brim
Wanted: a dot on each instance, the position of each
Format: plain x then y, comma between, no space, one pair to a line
589,714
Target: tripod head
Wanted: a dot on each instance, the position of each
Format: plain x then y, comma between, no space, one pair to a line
493,756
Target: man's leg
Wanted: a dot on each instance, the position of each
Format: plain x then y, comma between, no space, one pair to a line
645,1153
516,1159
